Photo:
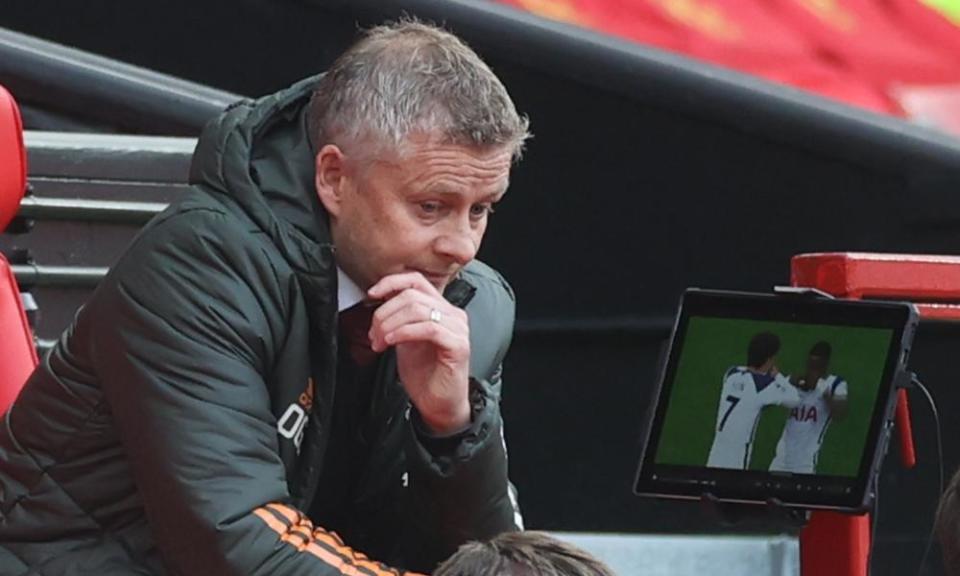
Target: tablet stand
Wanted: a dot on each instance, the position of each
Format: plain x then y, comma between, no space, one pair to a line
774,512
834,544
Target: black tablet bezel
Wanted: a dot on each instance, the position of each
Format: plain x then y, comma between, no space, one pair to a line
756,487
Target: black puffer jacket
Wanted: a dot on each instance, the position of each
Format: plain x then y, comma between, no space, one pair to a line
164,434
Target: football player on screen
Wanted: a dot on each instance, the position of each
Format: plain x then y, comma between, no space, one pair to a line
823,398
746,391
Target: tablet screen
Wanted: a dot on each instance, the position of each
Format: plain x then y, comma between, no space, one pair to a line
774,397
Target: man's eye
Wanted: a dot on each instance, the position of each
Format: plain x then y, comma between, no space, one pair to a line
481,210
429,207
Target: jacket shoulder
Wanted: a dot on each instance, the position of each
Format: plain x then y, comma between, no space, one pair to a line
185,227
492,312
197,281
195,255
484,277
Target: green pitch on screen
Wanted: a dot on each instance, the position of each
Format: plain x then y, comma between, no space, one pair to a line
715,344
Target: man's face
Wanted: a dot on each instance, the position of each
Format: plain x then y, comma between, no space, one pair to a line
770,366
816,369
424,212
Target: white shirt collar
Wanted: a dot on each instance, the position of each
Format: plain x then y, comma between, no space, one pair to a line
348,293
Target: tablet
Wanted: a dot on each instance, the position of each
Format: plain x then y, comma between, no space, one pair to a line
776,398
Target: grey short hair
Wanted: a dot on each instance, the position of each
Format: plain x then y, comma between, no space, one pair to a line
409,78
522,554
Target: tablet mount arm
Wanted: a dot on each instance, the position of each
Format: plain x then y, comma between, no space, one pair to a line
774,513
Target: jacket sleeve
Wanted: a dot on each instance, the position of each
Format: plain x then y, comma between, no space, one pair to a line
185,330
458,487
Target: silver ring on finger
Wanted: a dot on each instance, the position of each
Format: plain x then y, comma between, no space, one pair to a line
436,315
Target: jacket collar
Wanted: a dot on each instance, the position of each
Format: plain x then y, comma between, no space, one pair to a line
459,292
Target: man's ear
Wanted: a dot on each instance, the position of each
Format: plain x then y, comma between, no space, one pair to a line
330,177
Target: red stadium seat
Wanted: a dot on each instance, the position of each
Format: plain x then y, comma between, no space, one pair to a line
18,356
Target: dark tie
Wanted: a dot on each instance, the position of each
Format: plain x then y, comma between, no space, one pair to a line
354,328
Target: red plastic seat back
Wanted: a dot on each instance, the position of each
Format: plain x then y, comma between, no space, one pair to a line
18,357
13,159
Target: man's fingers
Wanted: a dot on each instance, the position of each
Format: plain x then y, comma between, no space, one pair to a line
409,314
415,309
401,300
427,332
389,285
410,300
420,312
414,312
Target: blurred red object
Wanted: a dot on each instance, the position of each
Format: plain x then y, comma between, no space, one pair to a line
860,37
848,50
17,351
934,106
733,33
924,25
13,161
930,282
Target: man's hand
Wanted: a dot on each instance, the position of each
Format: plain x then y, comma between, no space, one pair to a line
432,338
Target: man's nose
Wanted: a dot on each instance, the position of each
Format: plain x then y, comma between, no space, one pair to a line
458,245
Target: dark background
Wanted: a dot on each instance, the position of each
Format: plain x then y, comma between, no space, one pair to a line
647,174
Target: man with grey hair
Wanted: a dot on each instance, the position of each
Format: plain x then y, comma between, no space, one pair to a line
301,358
523,554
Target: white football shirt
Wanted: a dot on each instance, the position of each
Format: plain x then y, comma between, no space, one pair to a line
803,434
744,395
